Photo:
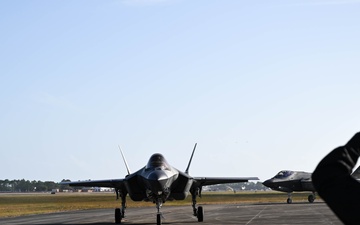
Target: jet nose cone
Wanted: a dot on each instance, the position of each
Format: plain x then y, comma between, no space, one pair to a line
268,183
157,181
157,175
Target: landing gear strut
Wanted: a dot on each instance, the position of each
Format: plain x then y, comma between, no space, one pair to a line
120,213
159,203
198,212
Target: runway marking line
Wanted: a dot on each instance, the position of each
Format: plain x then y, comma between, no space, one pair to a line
256,216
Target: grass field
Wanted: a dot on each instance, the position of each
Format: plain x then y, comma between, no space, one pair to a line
24,204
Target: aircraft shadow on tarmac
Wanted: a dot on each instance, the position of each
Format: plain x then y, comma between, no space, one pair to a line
284,203
145,223
76,223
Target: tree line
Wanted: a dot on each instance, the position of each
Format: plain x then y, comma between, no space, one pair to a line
45,186
27,186
245,186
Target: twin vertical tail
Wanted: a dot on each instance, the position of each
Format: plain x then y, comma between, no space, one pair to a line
127,166
187,169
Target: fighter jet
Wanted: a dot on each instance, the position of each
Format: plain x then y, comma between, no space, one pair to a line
159,182
290,181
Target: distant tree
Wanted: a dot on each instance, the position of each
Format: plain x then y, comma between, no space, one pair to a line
50,185
4,185
62,187
40,186
23,185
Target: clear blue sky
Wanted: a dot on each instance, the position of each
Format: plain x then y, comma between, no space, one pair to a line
261,86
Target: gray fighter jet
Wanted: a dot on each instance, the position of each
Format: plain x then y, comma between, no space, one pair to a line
290,181
159,182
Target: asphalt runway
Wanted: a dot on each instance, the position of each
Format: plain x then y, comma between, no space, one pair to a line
269,213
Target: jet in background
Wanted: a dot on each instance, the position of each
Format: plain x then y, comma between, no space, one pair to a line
159,182
290,181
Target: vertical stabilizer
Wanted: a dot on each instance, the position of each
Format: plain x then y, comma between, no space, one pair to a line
127,167
187,169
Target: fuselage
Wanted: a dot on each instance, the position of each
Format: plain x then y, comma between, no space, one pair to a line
289,181
158,180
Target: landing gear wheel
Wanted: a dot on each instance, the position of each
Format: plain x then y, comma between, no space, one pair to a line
118,216
158,219
311,198
200,214
289,201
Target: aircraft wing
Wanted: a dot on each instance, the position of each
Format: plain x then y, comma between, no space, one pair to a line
203,181
115,183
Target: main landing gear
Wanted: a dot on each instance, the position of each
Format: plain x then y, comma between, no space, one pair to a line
311,198
120,213
198,212
289,200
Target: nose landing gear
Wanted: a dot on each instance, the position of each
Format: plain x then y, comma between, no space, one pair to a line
159,203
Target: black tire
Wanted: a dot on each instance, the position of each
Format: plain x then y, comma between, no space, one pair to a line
117,216
200,214
289,201
311,198
158,219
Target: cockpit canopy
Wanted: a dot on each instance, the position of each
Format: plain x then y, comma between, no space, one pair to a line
283,174
157,161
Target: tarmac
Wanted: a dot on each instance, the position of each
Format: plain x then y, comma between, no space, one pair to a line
267,213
